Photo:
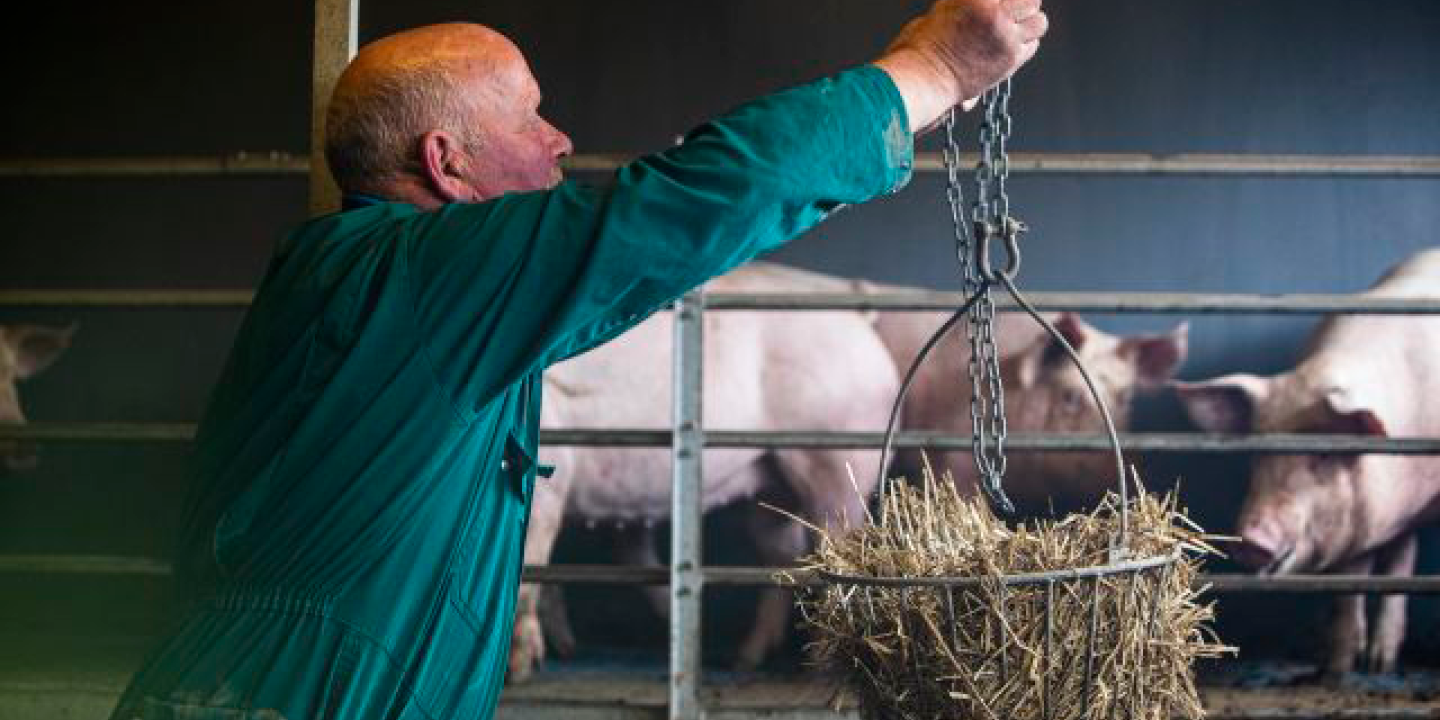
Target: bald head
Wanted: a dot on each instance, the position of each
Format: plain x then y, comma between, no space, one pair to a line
437,114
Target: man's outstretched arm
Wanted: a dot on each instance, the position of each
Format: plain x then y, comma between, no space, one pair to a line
529,279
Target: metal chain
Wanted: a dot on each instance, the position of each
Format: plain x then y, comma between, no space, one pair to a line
989,219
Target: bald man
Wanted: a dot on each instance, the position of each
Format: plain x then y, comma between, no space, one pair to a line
364,470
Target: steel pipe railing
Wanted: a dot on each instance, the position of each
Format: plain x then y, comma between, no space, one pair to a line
286,164
1150,164
687,477
1093,302
84,565
740,575
245,164
1271,443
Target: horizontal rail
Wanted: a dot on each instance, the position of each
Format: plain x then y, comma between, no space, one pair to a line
734,576
823,439
1219,583
1093,302
126,299
1048,442
84,565
272,163
1149,164
276,163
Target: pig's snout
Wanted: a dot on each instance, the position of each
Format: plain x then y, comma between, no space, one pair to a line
1254,555
1261,549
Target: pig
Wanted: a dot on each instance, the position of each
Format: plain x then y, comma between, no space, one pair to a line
24,351
1365,375
762,370
1043,393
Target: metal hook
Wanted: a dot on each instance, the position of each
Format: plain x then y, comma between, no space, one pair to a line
1010,234
995,493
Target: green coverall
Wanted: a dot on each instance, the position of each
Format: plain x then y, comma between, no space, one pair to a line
364,470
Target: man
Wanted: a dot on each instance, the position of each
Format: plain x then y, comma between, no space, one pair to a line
366,463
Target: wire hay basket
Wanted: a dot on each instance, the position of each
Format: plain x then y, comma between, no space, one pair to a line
938,609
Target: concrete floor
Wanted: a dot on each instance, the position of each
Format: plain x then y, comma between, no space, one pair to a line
52,679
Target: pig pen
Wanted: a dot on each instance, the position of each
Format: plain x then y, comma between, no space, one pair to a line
633,681
81,601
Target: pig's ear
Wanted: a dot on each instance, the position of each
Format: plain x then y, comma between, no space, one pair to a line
36,346
1226,404
1073,329
1029,362
1347,417
1157,357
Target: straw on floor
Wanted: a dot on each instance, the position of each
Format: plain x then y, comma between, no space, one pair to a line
1115,646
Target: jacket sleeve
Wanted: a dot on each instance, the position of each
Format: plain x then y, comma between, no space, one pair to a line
504,286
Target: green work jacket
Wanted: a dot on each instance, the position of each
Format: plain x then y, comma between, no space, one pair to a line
355,537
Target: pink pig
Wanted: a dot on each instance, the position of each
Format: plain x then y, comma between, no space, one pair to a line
1352,514
1043,393
24,351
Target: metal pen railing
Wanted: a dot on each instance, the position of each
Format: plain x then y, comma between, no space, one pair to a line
887,300
1209,443
715,575
283,164
687,576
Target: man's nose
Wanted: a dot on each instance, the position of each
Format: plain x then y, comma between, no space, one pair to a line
563,146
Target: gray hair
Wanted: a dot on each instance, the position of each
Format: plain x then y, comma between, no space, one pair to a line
372,133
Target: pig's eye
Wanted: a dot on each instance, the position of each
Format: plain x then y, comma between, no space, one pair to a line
1071,401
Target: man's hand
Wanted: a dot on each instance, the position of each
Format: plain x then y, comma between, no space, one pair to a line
958,50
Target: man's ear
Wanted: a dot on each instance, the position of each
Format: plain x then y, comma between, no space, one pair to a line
1157,357
444,161
1226,404
35,346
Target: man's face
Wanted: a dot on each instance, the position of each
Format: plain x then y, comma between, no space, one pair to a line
519,151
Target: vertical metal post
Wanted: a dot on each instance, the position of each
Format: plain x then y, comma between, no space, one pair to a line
337,34
689,442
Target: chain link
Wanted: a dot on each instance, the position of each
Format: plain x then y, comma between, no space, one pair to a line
988,219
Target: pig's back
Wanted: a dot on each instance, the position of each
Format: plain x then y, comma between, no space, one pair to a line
1390,359
1416,277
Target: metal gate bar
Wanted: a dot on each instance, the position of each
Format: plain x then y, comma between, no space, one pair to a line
337,30
1094,302
822,439
283,164
687,479
738,576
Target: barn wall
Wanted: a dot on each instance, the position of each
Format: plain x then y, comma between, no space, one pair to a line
1285,76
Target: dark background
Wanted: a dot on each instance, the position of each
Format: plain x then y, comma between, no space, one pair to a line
1218,76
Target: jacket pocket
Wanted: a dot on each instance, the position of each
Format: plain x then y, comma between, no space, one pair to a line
462,667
